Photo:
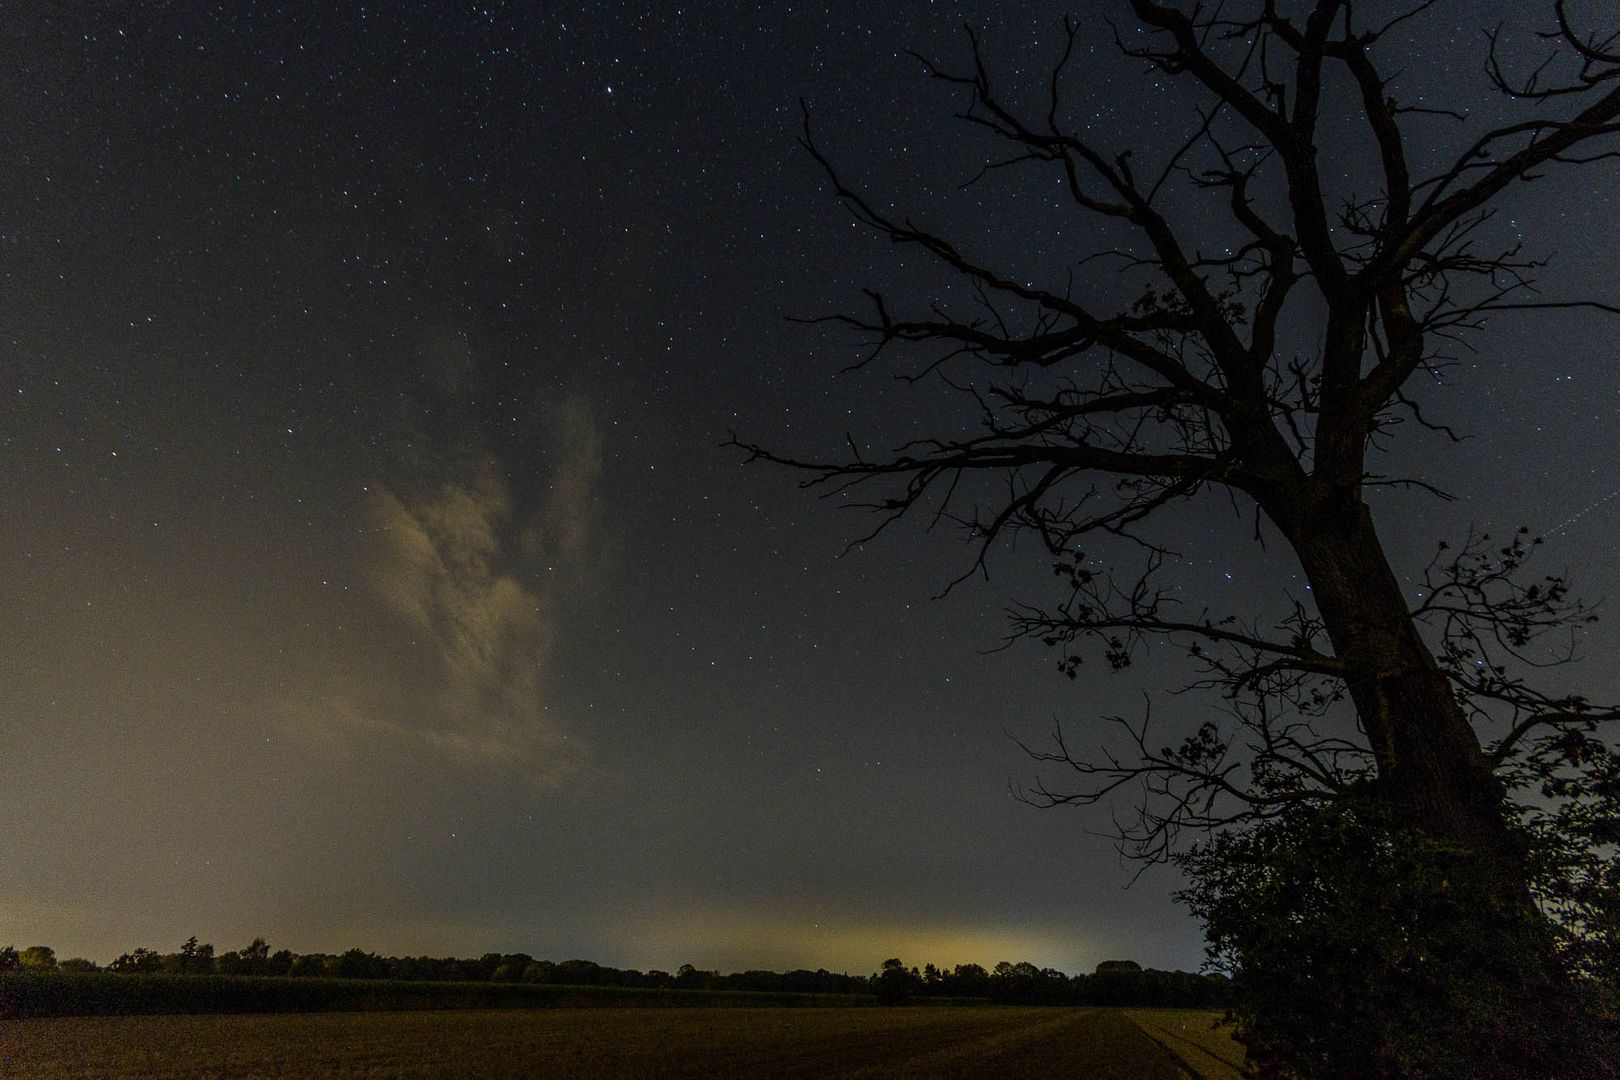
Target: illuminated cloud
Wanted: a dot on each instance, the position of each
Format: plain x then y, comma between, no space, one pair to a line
468,590
440,567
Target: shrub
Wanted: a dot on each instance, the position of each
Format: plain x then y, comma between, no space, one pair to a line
1359,950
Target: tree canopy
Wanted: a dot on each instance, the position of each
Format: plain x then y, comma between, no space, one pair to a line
1254,323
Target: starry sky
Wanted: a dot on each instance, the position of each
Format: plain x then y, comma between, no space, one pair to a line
373,573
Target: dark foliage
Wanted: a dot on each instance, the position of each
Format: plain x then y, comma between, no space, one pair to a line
1114,983
24,994
257,980
1359,949
1568,785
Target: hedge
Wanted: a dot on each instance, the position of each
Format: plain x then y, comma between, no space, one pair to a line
25,994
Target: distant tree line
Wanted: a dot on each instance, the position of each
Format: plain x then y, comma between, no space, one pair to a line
1113,983
196,958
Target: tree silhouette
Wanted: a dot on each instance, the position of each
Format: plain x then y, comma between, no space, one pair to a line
140,962
37,957
1271,357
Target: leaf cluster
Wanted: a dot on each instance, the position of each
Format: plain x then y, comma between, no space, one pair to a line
1362,950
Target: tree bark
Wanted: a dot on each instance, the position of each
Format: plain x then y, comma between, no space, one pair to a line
1432,772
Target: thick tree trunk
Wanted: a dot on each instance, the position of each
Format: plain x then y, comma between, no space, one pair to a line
1515,1001
1432,772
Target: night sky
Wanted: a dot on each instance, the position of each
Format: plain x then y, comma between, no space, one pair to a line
373,573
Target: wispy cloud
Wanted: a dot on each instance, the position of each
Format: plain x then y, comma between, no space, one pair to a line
566,527
442,569
469,584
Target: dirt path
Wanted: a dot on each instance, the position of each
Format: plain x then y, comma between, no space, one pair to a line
1206,1052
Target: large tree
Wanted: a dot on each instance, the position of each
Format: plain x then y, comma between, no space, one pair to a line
1270,354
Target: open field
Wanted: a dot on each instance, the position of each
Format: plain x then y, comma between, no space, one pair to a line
1192,1035
635,1042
